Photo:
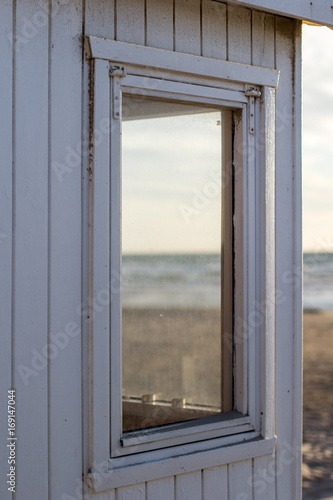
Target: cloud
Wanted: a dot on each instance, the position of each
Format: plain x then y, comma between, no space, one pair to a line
317,135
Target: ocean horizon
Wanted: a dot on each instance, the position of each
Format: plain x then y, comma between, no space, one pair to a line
193,280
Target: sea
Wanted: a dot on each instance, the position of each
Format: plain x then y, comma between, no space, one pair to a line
181,280
318,281
190,280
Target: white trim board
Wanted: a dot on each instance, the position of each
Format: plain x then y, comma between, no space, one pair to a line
316,11
159,459
138,55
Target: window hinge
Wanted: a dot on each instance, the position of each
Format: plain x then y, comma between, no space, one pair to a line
252,93
117,71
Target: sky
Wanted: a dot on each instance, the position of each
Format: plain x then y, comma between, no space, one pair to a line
171,181
188,151
317,139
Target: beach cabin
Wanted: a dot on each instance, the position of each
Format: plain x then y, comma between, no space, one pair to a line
150,240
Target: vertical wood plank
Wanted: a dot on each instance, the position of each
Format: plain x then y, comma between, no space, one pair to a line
240,480
239,34
99,333
89,495
31,252
215,483
6,103
284,250
264,478
130,26
214,29
298,261
267,292
187,26
263,54
106,495
263,39
159,29
65,248
99,18
160,489
188,486
136,492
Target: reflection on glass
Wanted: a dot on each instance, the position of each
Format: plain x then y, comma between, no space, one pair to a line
171,262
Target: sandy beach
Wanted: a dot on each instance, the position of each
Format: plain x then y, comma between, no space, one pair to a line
183,371
318,406
170,343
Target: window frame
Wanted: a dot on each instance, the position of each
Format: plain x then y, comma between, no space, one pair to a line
250,92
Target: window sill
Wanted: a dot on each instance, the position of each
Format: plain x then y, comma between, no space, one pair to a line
201,429
119,476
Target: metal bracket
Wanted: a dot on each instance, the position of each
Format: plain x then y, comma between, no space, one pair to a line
116,72
252,93
116,98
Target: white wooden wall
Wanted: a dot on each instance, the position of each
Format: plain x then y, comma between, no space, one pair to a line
44,220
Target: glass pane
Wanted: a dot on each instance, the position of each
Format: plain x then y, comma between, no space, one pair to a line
171,262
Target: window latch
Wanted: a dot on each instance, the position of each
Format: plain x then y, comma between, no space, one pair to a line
252,93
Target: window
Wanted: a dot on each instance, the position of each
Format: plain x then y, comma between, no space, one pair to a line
171,262
182,211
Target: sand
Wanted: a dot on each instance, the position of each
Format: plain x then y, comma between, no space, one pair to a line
170,343
185,371
318,406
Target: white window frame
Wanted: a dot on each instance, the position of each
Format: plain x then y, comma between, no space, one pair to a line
117,67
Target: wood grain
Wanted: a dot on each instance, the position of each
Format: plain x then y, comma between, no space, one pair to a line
187,26
130,21
159,27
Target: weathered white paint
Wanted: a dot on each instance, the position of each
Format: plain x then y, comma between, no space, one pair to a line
162,488
130,21
267,284
188,486
170,466
47,285
214,30
161,59
99,389
64,237
297,254
239,35
264,471
136,492
286,277
31,252
250,196
213,480
159,24
187,26
316,11
6,227
99,19
240,480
